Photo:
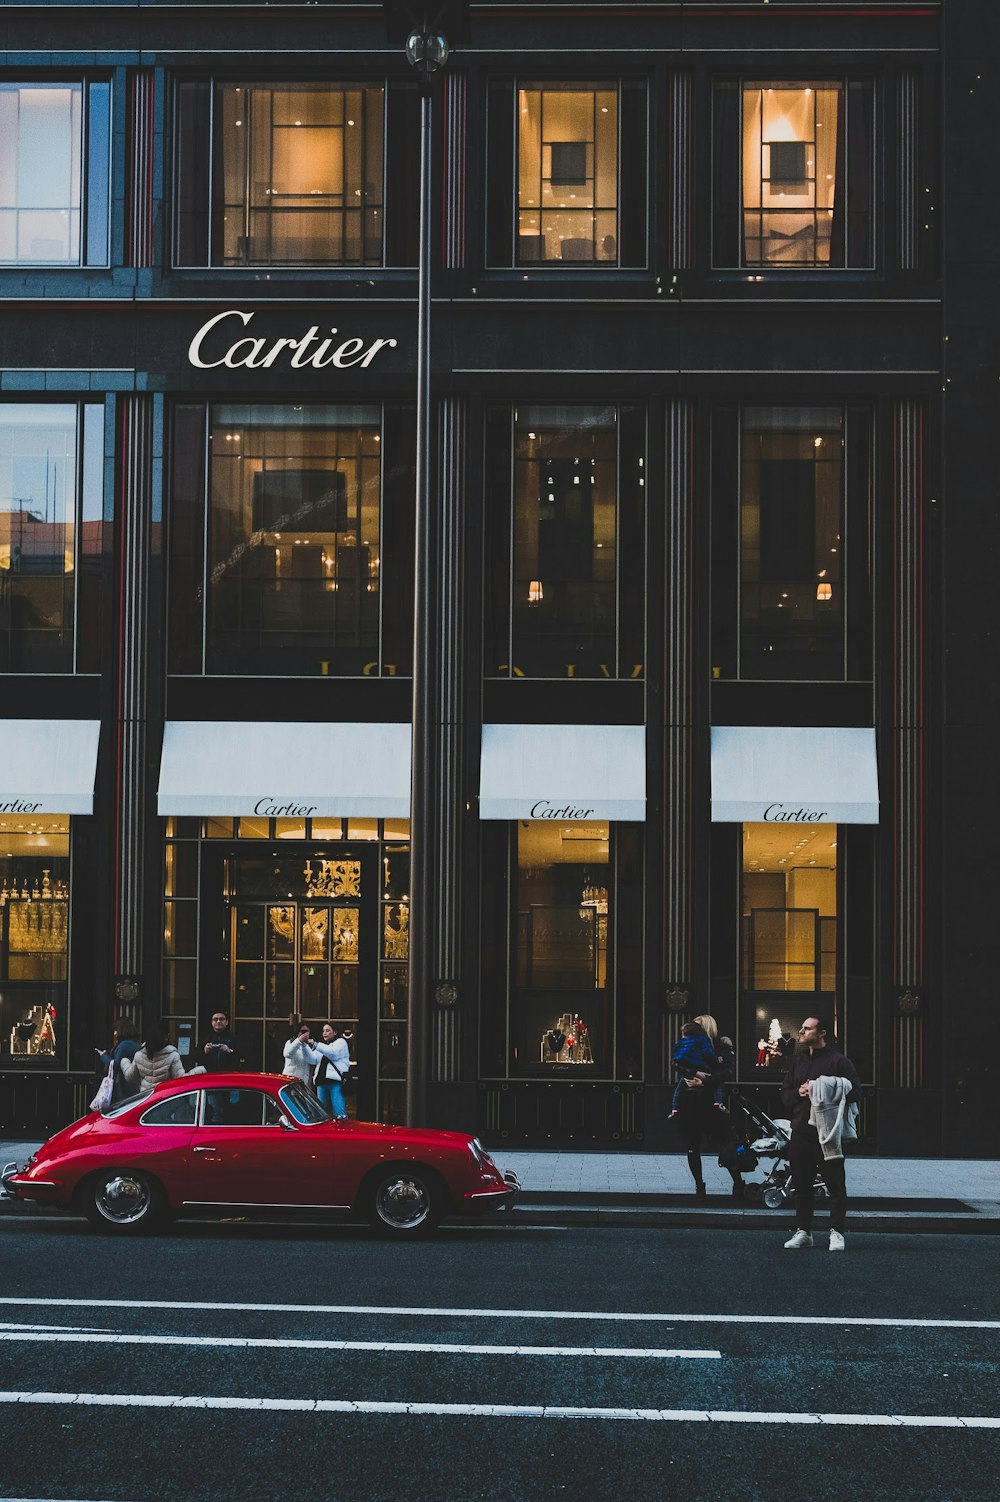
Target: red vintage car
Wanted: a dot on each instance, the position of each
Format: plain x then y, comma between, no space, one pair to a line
258,1142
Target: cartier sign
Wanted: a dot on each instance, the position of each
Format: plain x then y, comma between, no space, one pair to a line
223,343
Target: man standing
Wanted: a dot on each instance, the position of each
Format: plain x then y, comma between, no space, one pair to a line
218,1052
814,1059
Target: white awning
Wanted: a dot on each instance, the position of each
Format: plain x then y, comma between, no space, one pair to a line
563,772
793,775
48,766
284,771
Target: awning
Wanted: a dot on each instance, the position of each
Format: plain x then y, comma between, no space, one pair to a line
563,772
283,771
793,775
48,766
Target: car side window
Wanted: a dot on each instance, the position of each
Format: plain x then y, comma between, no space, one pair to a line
240,1108
176,1110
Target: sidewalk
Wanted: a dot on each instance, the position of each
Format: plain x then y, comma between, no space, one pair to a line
912,1194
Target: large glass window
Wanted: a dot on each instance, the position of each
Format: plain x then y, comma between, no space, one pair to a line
567,173
574,167
567,558
792,543
52,536
562,916
789,936
54,173
34,936
802,175
294,174
286,578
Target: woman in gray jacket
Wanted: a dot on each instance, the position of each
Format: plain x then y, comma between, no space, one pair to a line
157,1060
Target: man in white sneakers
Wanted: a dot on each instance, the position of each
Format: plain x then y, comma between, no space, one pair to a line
816,1059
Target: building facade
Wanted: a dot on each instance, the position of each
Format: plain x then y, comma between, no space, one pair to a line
714,385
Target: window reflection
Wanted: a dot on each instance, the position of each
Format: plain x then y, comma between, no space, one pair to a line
565,540
41,126
792,543
568,173
294,540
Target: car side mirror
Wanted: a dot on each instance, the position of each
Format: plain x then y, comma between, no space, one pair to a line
284,1123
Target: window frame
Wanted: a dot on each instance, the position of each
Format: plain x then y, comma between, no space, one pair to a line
633,201
723,152
97,117
398,247
199,1098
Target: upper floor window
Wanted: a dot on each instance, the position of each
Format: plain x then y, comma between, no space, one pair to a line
566,550
54,173
284,576
567,173
293,174
791,578
52,536
794,174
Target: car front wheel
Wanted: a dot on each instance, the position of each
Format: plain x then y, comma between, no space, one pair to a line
124,1201
405,1202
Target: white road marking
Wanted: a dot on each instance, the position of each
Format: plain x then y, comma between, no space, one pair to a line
497,1410
96,1329
392,1347
420,1312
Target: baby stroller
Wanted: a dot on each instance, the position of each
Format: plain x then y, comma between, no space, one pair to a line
770,1141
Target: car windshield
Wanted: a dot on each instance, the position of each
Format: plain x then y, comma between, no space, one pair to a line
119,1106
302,1105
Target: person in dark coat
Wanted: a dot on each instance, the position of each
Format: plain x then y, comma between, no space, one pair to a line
816,1055
218,1052
698,1117
124,1044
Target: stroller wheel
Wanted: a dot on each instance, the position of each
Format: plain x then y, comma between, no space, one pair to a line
754,1191
773,1197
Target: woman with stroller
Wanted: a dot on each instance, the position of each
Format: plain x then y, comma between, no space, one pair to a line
698,1116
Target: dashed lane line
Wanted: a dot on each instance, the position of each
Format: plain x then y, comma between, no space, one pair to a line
498,1410
426,1312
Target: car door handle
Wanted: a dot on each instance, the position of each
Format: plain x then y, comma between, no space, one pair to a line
205,1149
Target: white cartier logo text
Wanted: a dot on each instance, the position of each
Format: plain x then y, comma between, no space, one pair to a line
777,813
310,350
271,809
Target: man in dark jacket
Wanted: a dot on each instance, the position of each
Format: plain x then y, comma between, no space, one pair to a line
218,1052
814,1057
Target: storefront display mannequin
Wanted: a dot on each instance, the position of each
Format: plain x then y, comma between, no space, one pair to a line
698,1120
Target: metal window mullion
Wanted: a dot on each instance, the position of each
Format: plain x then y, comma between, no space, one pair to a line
211,171
206,533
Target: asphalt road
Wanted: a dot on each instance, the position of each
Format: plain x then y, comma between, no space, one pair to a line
501,1363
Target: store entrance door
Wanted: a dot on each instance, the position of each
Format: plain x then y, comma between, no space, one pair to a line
301,943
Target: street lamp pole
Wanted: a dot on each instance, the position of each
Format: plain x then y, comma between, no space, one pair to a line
427,51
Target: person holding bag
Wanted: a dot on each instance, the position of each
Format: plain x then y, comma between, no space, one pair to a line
332,1060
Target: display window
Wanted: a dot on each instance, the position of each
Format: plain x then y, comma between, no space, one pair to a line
567,173
791,575
52,536
34,938
794,174
566,549
284,576
293,174
314,924
789,938
54,173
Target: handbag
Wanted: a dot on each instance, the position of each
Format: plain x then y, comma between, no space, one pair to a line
105,1091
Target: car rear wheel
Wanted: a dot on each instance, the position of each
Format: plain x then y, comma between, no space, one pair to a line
124,1201
404,1202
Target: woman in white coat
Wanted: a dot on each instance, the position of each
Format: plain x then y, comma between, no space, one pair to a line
297,1064
157,1060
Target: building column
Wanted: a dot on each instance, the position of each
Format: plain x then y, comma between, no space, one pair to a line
909,751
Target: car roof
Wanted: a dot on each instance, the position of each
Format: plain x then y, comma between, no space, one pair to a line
234,1079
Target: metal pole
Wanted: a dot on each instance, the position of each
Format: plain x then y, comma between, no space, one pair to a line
421,769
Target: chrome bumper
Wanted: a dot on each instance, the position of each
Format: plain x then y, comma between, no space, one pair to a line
8,1172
